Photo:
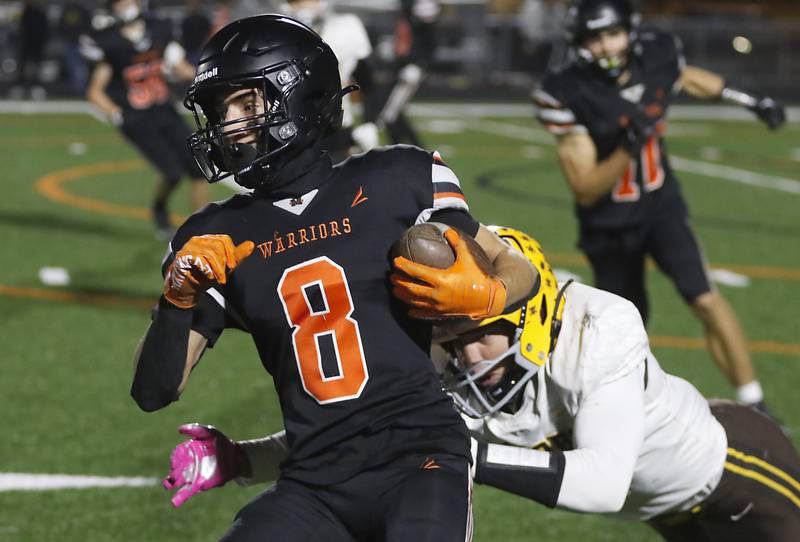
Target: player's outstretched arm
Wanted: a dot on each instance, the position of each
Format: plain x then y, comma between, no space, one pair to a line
170,349
594,477
97,96
704,84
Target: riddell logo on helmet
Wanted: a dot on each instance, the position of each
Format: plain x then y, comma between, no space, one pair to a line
200,77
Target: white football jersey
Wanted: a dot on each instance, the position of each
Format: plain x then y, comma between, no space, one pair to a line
679,458
348,38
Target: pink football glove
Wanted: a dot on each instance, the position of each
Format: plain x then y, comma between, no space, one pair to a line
207,460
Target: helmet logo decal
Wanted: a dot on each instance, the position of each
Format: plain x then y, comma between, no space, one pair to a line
605,20
200,77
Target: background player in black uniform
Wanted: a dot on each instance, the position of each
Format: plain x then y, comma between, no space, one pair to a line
129,86
376,450
415,44
607,109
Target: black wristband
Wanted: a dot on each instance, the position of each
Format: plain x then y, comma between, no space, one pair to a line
542,484
162,360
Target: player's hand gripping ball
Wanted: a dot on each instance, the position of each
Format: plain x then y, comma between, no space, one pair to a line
443,273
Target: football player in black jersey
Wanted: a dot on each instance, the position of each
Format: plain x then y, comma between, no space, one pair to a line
607,110
376,450
414,44
128,84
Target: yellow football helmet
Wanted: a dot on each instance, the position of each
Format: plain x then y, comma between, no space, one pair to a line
536,325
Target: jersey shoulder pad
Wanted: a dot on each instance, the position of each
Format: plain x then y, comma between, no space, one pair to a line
553,101
90,48
605,336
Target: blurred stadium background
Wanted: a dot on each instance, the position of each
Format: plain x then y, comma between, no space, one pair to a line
80,264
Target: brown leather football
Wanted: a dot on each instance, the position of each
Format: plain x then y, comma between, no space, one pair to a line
425,243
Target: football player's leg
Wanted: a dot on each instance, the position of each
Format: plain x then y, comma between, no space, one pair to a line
287,512
618,265
432,502
678,253
758,497
150,142
177,133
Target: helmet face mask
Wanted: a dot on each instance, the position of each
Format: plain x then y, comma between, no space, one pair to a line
466,383
215,145
487,386
296,77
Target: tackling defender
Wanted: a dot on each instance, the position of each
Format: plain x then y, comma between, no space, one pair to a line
607,110
375,450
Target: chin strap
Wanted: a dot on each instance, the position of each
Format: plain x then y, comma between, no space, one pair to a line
333,109
555,326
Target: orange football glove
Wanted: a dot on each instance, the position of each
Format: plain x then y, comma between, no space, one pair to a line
462,289
202,262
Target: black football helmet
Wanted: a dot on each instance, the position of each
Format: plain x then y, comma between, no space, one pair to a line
298,76
590,17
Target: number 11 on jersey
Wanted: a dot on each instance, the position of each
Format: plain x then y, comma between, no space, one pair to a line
626,188
332,318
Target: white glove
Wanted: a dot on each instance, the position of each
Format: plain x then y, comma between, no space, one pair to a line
366,136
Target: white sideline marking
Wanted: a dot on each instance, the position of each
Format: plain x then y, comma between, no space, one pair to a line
429,110
718,171
729,278
477,110
736,175
18,481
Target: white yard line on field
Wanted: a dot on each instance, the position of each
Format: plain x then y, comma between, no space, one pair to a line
518,110
20,481
708,169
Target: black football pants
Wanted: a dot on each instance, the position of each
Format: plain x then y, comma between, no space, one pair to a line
618,258
419,498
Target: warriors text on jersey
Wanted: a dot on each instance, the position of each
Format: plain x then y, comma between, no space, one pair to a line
681,455
578,100
352,370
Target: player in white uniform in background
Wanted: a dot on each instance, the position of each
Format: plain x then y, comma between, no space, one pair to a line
569,407
348,38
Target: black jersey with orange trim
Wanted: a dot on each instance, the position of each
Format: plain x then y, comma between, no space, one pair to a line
137,83
351,369
576,99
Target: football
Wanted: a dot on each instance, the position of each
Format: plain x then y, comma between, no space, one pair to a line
425,243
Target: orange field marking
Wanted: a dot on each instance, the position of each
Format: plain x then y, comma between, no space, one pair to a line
103,300
51,187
